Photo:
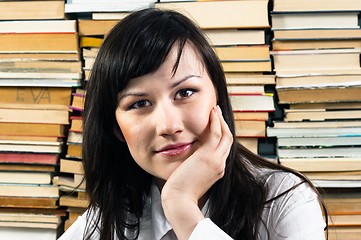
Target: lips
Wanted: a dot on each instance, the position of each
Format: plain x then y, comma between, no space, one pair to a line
175,149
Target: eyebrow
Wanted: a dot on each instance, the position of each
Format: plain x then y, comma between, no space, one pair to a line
173,85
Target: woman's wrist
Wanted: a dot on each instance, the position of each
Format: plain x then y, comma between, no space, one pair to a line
183,214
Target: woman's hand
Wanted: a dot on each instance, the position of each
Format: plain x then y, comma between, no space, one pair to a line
194,177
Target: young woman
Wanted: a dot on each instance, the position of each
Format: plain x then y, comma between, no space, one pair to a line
160,156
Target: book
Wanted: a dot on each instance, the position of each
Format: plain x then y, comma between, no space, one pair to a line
337,183
36,95
318,81
75,137
318,141
30,146
249,142
32,129
107,6
71,166
250,128
78,100
315,124
317,34
17,57
28,202
318,95
302,20
31,215
246,89
26,10
245,52
29,190
342,200
224,37
325,106
27,167
39,43
247,66
25,178
349,233
345,220
251,103
314,132
17,233
318,5
316,61
321,115
71,201
90,52
39,75
30,138
74,150
75,181
18,115
46,82
27,158
251,116
314,44
319,152
109,15
73,214
334,175
54,68
76,124
249,78
91,42
324,164
223,14
90,27
38,26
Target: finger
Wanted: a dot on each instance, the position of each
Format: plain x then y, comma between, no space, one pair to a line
227,136
215,133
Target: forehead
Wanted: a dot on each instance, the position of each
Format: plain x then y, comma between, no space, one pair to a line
176,65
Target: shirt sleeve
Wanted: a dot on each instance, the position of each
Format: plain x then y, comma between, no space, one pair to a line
206,229
77,229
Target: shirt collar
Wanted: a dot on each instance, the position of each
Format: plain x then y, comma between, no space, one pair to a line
153,212
160,225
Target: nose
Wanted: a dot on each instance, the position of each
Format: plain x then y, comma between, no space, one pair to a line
168,119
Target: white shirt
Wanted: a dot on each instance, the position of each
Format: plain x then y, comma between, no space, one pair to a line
294,216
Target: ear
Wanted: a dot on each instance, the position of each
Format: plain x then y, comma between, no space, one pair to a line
118,134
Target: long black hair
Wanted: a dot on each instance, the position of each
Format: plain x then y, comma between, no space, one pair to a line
117,186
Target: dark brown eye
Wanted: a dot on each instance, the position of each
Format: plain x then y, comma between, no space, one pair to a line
184,93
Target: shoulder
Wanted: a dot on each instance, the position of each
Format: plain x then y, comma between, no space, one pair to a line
280,182
286,191
80,226
292,207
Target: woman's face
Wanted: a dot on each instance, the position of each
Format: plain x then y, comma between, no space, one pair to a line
164,116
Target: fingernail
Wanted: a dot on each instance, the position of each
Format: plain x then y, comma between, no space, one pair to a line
218,110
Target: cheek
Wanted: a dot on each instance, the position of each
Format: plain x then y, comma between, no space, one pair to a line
199,122
129,131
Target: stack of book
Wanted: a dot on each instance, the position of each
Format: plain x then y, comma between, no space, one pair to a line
344,208
95,19
316,52
39,66
71,180
236,30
